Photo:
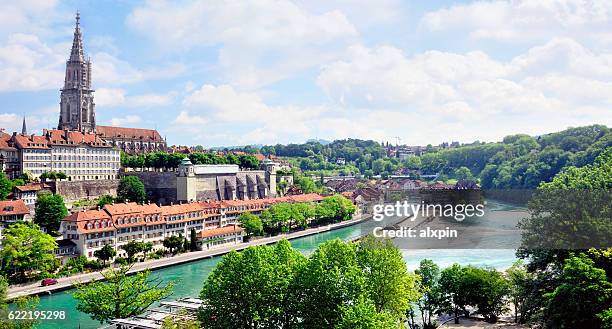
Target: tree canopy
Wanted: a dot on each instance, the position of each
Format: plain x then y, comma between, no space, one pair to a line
356,285
49,211
132,189
120,295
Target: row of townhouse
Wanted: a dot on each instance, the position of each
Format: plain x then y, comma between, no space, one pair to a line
117,224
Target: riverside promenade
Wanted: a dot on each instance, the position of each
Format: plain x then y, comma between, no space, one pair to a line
68,282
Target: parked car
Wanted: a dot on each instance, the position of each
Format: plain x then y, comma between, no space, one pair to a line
48,282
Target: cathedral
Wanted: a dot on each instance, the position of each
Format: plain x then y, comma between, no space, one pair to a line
78,109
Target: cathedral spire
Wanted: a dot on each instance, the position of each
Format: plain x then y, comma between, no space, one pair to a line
77,107
76,54
24,130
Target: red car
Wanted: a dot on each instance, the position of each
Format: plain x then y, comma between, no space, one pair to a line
48,282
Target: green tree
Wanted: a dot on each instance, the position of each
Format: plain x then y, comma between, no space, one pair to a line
429,285
248,161
105,253
6,186
463,173
131,188
584,291
390,286
250,289
452,286
174,243
252,224
486,291
105,199
23,304
364,315
335,208
120,295
26,251
147,247
519,279
49,211
132,248
330,282
193,240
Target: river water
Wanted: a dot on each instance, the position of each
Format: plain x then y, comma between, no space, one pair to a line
188,278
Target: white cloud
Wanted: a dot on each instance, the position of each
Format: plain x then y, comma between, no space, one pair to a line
128,119
26,63
113,97
260,41
184,118
547,88
110,70
223,107
523,20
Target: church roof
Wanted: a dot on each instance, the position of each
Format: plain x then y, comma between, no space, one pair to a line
110,132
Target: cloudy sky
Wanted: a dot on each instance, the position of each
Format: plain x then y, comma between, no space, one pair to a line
239,72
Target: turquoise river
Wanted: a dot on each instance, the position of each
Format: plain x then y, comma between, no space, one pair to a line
188,278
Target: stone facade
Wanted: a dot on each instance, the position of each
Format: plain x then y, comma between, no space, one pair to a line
207,182
72,191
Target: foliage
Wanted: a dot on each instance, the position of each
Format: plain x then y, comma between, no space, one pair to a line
583,292
26,252
26,304
131,188
120,295
182,320
389,284
52,175
306,184
77,265
174,243
342,285
335,208
164,160
50,210
6,186
104,200
251,289
193,240
520,281
252,224
364,315
432,297
133,248
570,211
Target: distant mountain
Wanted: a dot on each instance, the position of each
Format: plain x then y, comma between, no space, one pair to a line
319,140
236,147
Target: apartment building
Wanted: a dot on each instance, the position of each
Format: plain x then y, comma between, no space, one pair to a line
81,156
117,224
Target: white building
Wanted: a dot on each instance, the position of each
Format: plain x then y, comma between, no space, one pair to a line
81,156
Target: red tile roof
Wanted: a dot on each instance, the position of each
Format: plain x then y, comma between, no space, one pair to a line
230,229
129,133
13,207
32,187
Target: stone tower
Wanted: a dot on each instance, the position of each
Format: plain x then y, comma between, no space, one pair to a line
77,107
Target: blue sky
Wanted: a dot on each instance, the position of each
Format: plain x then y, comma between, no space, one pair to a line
233,73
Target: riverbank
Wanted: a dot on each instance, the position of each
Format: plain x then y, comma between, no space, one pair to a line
68,282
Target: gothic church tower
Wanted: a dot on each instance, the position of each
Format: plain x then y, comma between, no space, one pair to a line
77,107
